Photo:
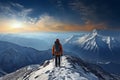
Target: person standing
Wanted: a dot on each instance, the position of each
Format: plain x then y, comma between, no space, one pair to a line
57,51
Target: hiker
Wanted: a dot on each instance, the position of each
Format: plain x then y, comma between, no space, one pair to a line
57,51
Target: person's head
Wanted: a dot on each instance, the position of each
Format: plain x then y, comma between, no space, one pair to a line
57,41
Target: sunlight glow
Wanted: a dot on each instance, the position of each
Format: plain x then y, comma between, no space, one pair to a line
16,24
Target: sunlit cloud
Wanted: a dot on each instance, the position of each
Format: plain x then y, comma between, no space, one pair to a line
15,18
89,26
49,23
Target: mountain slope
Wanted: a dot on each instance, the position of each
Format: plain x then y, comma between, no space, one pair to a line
13,57
71,69
95,46
2,72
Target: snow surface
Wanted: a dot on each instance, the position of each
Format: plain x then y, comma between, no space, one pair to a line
92,41
65,72
72,68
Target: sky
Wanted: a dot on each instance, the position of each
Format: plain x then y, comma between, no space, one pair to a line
58,15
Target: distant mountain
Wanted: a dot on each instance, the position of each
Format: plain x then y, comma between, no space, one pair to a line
25,41
95,46
111,68
13,57
72,68
112,33
2,72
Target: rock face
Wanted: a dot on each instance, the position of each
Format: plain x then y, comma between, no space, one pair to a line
71,69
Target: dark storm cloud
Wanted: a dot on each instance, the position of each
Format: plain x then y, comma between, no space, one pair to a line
85,11
98,11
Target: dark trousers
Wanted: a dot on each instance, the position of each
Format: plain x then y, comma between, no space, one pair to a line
57,60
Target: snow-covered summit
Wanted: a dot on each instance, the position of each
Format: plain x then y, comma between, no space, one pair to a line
95,32
95,45
93,41
71,69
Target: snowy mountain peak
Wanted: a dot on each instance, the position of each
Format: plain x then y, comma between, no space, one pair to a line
95,32
71,69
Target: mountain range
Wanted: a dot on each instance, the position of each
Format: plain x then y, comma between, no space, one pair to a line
38,44
13,56
99,54
94,47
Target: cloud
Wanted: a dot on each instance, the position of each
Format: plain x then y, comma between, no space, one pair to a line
49,23
45,22
60,5
16,5
88,26
87,12
14,11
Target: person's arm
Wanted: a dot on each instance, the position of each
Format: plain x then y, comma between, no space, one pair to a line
53,50
61,49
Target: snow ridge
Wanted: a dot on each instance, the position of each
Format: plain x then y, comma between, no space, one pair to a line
65,72
93,41
71,69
